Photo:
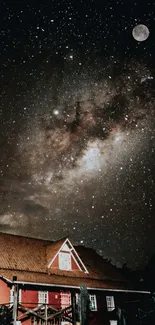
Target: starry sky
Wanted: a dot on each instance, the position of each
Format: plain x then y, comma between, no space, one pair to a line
77,141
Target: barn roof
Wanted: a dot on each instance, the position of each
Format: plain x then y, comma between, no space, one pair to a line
28,259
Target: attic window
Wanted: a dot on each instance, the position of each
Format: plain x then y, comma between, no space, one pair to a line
64,261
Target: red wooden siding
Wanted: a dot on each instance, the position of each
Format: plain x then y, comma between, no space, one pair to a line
54,299
74,265
55,263
4,293
27,322
29,298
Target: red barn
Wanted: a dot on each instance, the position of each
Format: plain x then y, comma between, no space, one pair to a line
46,277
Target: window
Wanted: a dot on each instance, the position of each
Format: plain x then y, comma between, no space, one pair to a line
12,296
110,303
66,248
93,302
20,296
113,322
65,299
77,298
64,261
43,297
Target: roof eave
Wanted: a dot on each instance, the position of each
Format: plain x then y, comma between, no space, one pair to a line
78,287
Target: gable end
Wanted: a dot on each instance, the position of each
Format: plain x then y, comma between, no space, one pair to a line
66,257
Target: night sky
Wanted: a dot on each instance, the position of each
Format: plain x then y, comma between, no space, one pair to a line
77,122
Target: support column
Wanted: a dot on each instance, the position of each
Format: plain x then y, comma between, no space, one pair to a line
15,304
73,300
46,314
84,305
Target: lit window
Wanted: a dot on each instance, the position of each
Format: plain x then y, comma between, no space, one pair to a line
110,303
113,322
43,297
65,300
12,296
93,302
64,261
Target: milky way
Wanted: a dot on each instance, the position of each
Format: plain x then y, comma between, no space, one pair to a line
77,138
85,181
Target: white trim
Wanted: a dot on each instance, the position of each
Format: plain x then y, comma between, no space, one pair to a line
86,271
78,287
11,300
92,300
72,249
5,279
76,298
49,265
62,296
20,295
93,305
65,248
75,260
43,297
110,303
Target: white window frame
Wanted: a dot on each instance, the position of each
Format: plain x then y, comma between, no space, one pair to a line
93,302
20,296
12,296
110,303
43,297
77,298
67,296
62,263
92,299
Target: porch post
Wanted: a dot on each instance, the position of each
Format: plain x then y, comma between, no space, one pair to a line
15,304
84,305
73,307
46,314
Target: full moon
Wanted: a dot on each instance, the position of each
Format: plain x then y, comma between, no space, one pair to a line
140,33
